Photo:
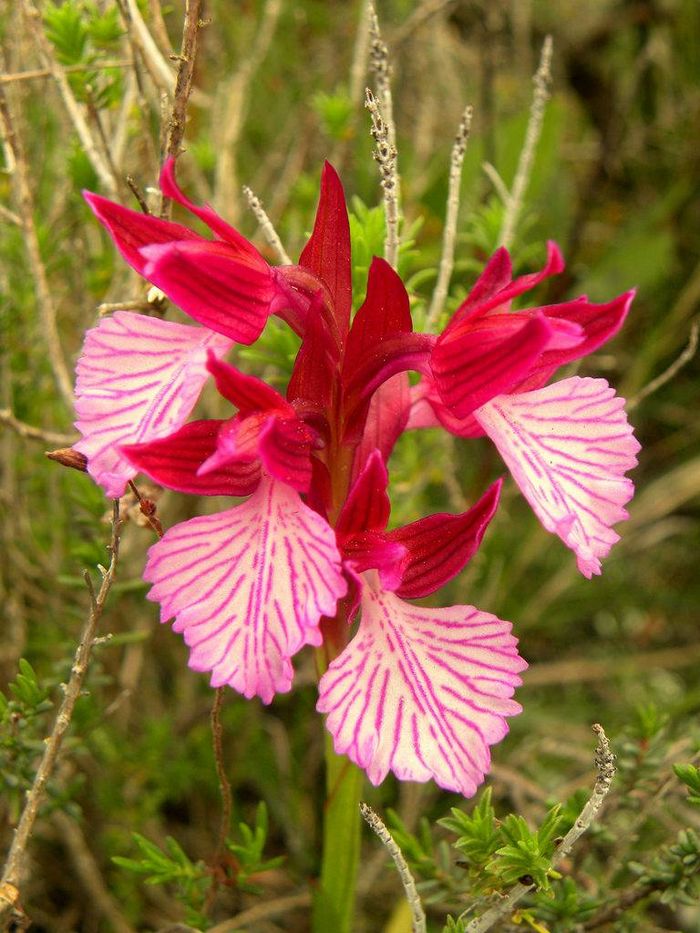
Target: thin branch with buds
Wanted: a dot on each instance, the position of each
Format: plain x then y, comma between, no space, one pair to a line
385,156
409,885
605,766
12,872
450,232
185,73
542,81
268,230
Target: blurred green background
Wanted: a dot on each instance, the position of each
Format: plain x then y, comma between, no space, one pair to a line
277,89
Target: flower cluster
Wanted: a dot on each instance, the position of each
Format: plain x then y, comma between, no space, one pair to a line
422,692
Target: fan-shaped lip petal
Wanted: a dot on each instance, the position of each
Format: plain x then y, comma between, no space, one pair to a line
421,692
248,587
568,447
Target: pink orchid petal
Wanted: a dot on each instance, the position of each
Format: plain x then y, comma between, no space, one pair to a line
367,507
372,550
473,365
494,291
176,461
421,692
428,411
439,546
285,451
248,587
171,189
327,254
387,419
212,285
237,441
568,447
247,393
132,230
138,379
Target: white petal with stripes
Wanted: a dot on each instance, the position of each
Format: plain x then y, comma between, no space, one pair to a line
568,447
138,380
421,692
248,587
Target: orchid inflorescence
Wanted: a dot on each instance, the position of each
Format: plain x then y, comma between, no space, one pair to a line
422,692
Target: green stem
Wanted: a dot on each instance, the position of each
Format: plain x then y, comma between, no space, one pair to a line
334,903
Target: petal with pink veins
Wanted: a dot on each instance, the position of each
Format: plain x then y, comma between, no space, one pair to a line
248,587
138,379
568,447
422,692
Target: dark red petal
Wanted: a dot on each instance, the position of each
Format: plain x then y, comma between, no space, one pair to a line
387,419
482,362
216,224
315,372
132,230
600,323
206,280
489,296
173,462
385,313
372,550
439,546
327,254
367,507
285,451
247,393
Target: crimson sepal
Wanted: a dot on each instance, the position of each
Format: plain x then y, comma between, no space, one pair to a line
367,507
174,461
439,546
374,550
387,419
495,288
315,371
327,254
473,364
247,393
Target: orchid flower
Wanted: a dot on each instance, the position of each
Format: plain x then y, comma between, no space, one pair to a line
139,377
567,444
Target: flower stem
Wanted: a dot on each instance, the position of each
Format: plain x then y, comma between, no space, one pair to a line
334,902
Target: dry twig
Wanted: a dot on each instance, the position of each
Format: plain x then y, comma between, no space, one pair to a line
30,433
409,885
183,84
675,367
542,81
269,232
385,156
450,232
605,765
44,296
12,872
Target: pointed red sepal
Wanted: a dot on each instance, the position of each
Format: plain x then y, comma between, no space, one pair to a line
439,546
373,550
171,189
495,288
247,393
315,369
476,362
387,418
174,462
367,507
132,230
327,254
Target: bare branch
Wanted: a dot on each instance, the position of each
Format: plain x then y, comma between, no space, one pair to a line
30,433
450,232
75,112
542,81
224,784
269,232
605,765
385,156
265,911
44,297
34,73
12,872
183,84
675,367
409,885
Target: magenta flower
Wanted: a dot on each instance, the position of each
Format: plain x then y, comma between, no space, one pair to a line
422,692
568,444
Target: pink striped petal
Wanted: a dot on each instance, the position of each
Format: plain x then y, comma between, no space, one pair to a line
226,292
568,447
248,587
422,692
138,379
